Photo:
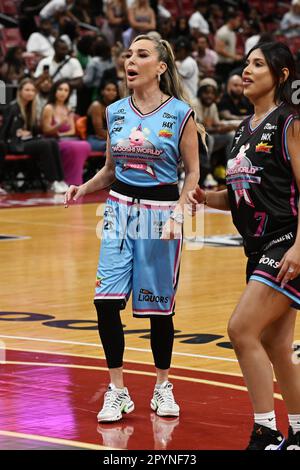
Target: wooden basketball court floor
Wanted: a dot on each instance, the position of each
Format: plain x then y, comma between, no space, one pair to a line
52,371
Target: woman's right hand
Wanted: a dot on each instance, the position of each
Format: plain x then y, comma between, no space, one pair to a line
197,196
74,193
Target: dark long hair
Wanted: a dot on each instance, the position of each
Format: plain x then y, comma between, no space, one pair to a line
278,56
54,88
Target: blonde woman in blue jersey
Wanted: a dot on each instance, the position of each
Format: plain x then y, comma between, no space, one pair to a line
149,133
263,182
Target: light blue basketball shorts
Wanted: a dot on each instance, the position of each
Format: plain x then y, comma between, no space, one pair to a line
134,258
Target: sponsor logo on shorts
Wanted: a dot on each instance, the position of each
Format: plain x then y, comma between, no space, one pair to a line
148,296
269,261
286,237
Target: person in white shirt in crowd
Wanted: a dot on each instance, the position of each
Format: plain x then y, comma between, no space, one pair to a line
290,23
53,7
61,65
254,32
187,67
205,57
162,11
41,42
197,21
225,45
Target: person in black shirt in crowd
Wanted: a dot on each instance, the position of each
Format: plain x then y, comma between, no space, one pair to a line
20,134
233,104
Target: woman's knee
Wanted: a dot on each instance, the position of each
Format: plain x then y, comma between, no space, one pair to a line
239,334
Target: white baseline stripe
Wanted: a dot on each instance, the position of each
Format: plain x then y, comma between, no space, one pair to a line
46,340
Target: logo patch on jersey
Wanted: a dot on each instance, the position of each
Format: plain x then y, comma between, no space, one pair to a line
140,167
137,146
270,127
267,136
165,133
119,120
263,147
240,173
169,116
98,281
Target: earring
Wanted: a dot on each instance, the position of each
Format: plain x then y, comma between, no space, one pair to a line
158,77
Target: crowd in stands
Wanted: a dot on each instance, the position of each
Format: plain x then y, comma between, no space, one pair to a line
62,62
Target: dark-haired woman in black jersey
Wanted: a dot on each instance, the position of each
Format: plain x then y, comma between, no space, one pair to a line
263,181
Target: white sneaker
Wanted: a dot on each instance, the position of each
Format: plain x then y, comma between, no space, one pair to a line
163,401
210,181
64,186
2,191
116,402
57,188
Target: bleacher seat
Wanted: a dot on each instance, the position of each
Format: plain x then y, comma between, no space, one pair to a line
11,37
9,7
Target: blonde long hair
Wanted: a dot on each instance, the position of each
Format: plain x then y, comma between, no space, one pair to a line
170,81
28,112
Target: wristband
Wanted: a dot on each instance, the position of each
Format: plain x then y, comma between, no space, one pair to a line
179,218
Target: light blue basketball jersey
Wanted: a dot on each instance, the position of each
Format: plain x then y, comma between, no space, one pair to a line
145,147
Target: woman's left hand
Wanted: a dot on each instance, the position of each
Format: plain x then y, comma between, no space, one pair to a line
289,266
171,230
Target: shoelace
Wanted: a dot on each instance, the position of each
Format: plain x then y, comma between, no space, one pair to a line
112,399
165,395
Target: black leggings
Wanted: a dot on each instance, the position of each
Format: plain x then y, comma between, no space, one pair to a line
46,152
112,335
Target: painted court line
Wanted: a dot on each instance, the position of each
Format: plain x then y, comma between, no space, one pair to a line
60,341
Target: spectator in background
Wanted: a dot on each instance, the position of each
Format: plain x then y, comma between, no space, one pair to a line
219,133
215,18
197,22
205,57
28,9
117,73
84,49
187,67
20,134
116,13
290,23
3,192
41,42
55,7
14,66
42,97
254,32
58,121
234,105
81,11
96,116
166,29
141,18
61,65
182,27
98,64
162,11
225,45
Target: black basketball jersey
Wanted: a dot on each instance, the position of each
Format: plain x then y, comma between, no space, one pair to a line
262,189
